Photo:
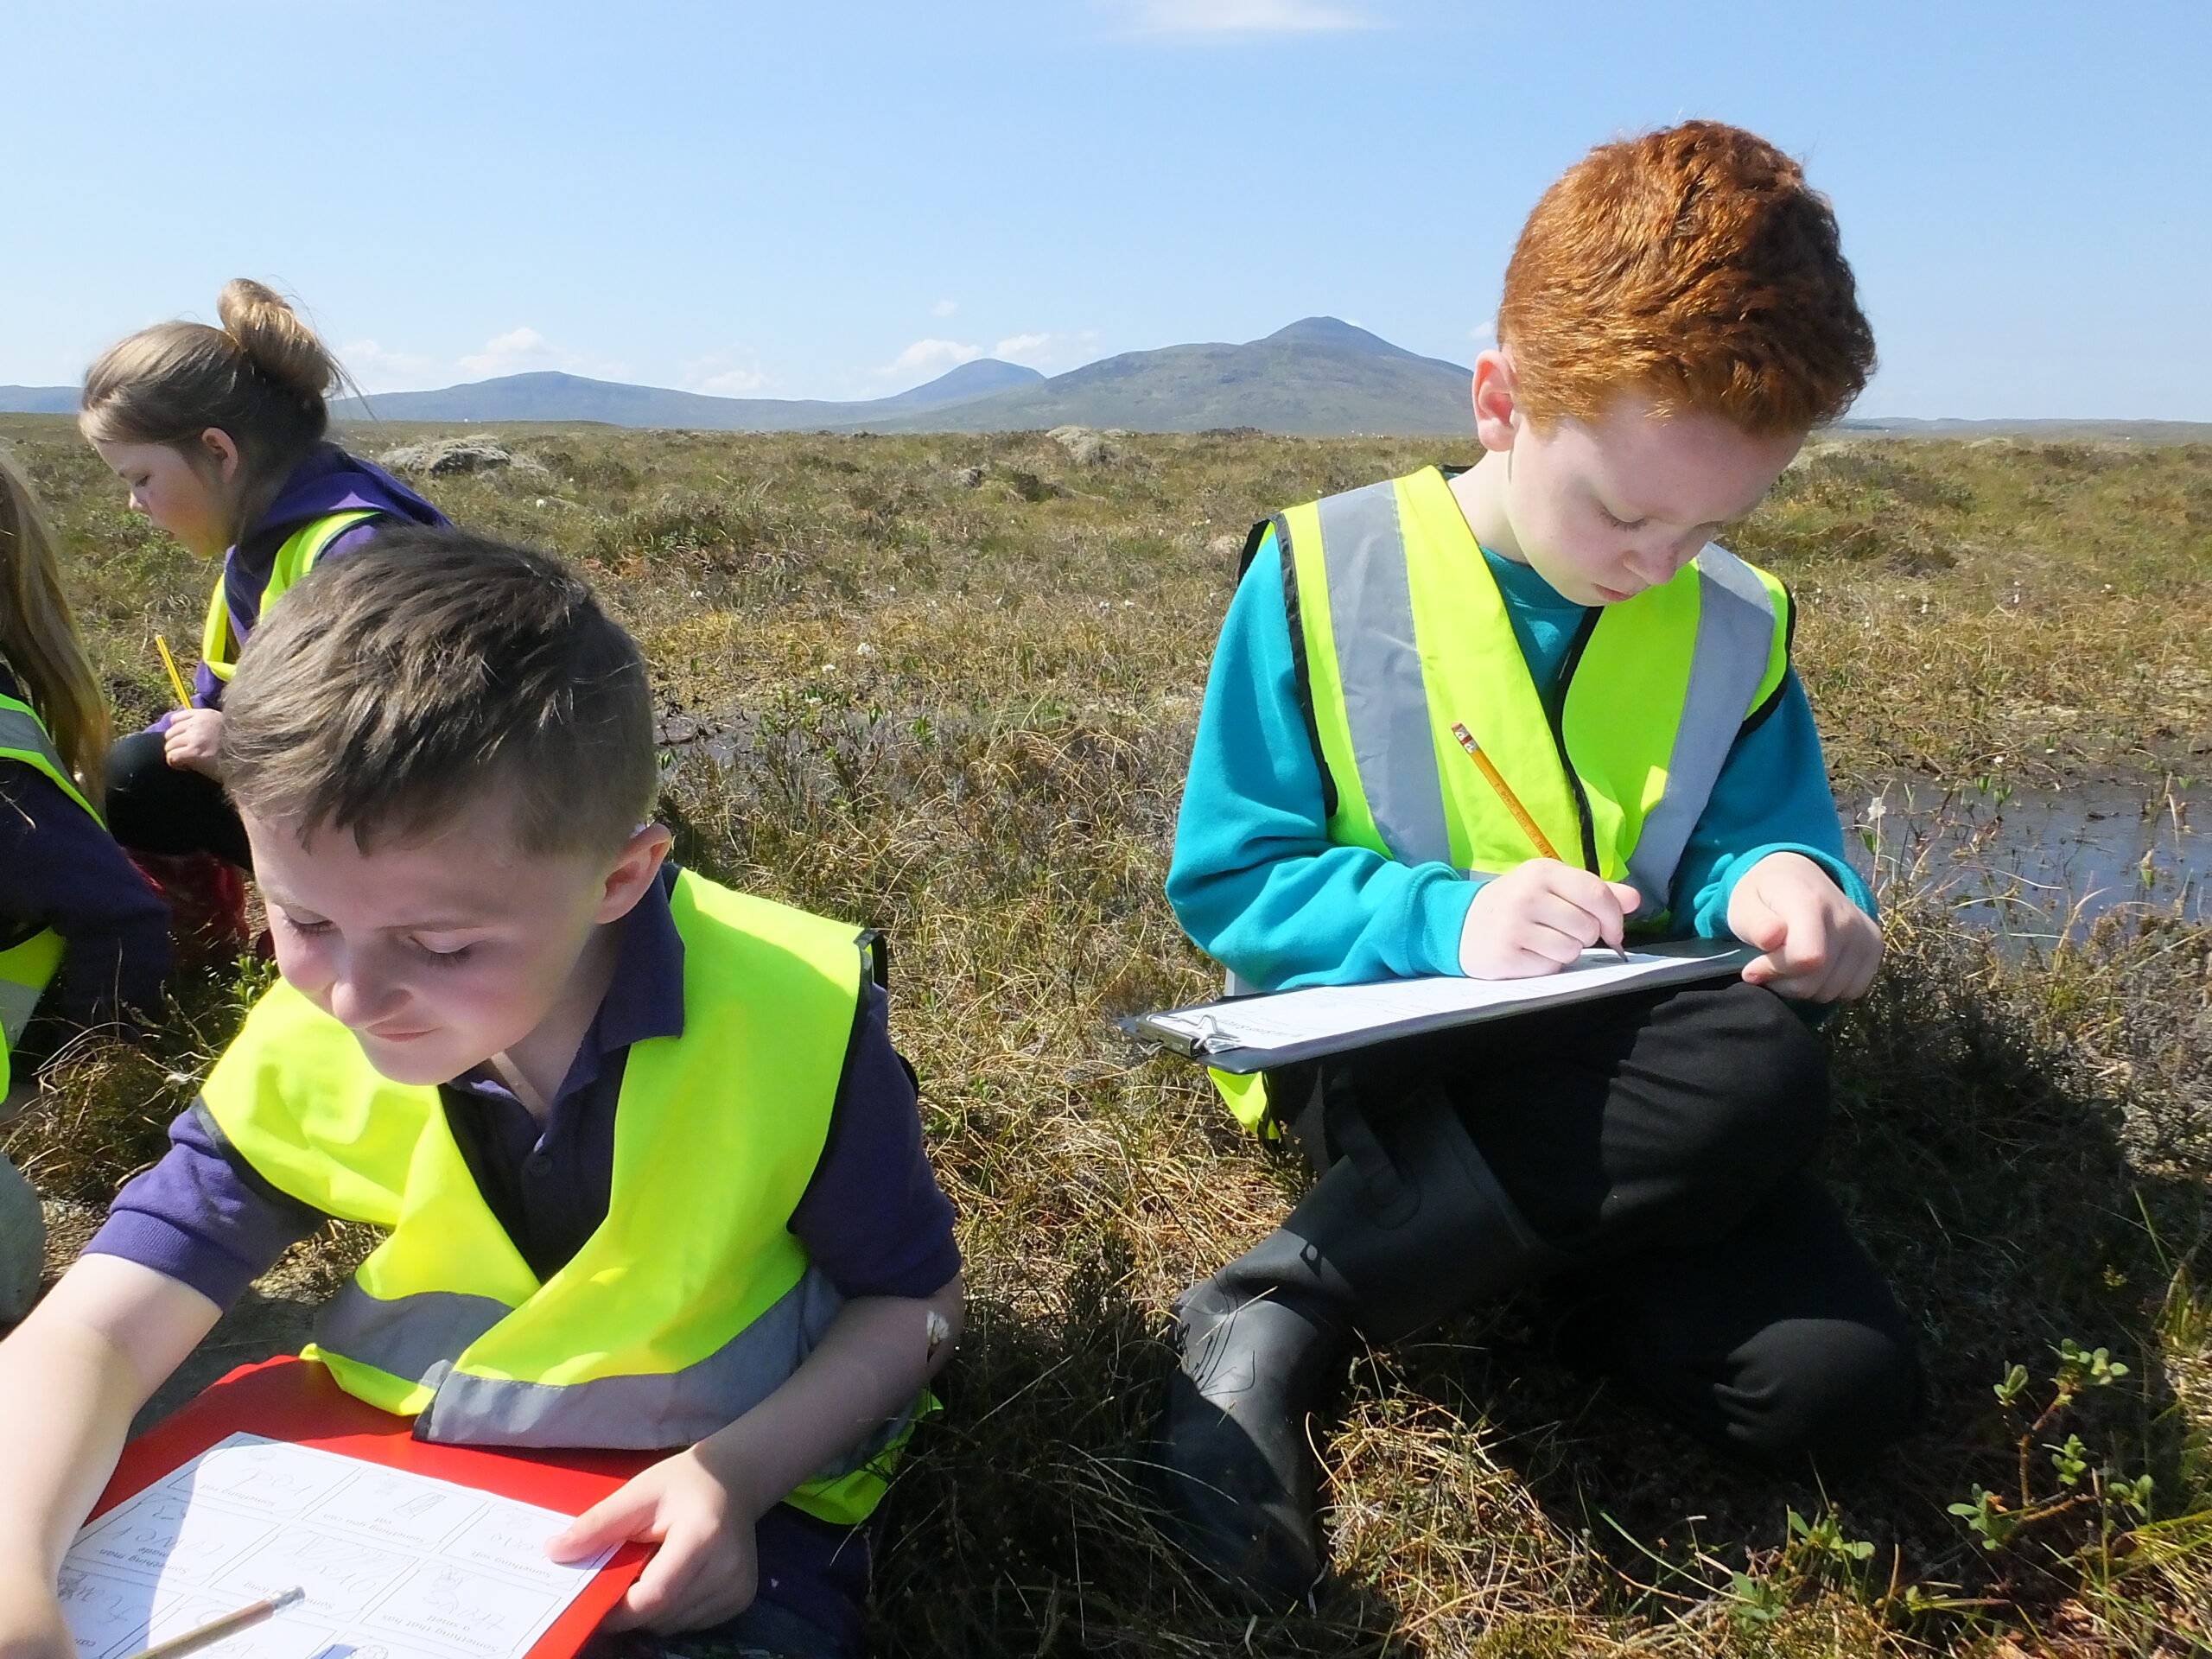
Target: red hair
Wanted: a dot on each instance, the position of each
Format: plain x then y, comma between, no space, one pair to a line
1694,265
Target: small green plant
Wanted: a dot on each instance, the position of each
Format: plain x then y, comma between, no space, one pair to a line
1998,1521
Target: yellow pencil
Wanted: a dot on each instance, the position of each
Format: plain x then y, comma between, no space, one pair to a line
216,1629
1504,793
1528,826
183,696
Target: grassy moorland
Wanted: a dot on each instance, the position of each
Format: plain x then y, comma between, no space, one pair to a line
945,685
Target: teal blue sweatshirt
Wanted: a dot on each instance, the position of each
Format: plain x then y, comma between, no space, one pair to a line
1259,886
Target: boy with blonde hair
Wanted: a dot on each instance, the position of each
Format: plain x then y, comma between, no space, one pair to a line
650,1173
1676,318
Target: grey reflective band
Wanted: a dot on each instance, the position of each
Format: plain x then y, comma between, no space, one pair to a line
408,1338
1735,641
17,1004
23,732
1378,665
419,1338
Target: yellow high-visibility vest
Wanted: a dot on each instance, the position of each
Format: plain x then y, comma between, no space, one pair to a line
689,1305
219,640
1399,632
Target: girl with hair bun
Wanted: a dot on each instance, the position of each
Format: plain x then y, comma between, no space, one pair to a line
70,904
220,433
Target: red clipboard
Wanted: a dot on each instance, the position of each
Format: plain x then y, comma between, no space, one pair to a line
295,1399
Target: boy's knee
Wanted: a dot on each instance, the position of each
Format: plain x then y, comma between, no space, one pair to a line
1830,1392
1764,1082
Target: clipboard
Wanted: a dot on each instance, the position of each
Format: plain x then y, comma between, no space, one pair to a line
294,1399
1244,1034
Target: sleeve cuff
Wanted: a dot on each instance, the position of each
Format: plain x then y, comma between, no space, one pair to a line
1444,919
169,1250
1712,921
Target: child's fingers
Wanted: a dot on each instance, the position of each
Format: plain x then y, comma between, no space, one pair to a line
614,1519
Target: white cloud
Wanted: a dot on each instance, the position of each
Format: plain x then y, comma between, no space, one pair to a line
375,369
727,374
927,359
1221,18
1049,352
521,350
945,307
1483,331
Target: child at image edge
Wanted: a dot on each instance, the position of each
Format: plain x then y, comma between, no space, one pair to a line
1676,317
652,1171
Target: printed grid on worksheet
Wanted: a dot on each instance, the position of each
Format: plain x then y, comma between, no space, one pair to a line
394,1565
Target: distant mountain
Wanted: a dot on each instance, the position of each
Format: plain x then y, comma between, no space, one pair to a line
548,395
38,400
1318,377
2153,432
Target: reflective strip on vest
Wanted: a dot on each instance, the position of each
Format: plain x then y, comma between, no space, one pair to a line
1378,666
219,640
418,1337
1736,637
1406,634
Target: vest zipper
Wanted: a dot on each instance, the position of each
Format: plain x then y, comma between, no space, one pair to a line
1555,714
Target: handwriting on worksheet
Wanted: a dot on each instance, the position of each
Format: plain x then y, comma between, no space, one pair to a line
396,1566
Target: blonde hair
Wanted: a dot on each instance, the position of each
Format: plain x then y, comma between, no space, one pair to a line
261,378
39,637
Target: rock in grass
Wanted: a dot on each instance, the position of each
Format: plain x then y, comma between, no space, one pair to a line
23,1244
442,457
1084,446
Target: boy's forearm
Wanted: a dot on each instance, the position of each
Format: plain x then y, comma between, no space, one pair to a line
875,1358
72,1377
66,1399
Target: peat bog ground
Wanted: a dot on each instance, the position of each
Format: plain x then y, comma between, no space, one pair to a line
945,686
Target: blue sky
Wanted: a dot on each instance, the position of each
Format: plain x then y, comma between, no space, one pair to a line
829,198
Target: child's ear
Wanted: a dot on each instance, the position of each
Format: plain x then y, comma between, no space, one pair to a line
636,867
222,450
1495,398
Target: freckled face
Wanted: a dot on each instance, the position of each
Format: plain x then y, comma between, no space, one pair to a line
1605,509
190,502
438,956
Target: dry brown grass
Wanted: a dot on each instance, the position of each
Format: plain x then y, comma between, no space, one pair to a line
945,686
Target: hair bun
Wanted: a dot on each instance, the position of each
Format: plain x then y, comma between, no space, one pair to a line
281,347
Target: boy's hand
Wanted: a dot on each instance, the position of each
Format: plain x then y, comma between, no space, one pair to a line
190,743
1819,947
705,1570
1539,916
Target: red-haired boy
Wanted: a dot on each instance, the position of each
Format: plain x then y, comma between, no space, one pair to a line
1676,317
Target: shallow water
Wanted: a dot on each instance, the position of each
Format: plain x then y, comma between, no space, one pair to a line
2040,863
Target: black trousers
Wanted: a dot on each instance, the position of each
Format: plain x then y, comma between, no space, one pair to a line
1660,1143
153,807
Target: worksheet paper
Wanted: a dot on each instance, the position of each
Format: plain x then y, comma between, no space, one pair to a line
1292,1024
396,1566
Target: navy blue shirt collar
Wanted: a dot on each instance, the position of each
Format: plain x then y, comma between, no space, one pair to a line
644,1000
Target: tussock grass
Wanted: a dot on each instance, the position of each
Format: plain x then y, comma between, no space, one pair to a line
945,686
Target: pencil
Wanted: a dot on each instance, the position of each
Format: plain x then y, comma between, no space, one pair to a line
1504,793
1528,825
183,696
230,1624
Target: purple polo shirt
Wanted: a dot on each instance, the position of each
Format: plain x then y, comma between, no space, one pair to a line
328,480
872,1218
62,870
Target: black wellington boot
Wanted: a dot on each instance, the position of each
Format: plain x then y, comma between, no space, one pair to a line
1409,1226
